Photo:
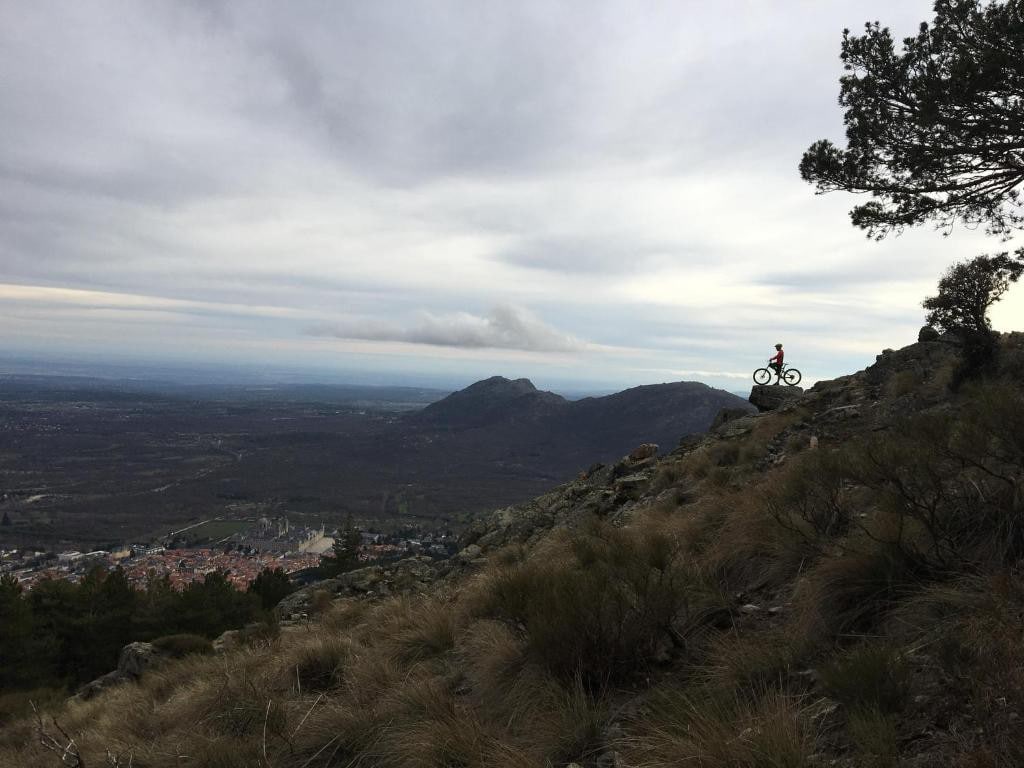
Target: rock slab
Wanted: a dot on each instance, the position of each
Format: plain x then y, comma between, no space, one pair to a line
770,397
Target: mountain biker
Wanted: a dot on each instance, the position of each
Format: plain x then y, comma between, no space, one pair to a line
775,362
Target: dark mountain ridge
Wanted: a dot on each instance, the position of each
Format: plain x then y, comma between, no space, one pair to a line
516,413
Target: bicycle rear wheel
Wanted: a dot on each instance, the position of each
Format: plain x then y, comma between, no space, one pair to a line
791,376
762,376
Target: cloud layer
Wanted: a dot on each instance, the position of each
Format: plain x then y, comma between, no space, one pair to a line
211,180
506,327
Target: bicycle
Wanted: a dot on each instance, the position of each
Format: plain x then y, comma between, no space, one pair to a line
789,375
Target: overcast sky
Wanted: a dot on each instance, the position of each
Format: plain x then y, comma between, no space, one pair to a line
593,193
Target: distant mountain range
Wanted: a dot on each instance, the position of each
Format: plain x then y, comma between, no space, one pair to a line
517,415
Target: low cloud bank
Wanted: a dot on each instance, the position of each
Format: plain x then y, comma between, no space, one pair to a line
505,327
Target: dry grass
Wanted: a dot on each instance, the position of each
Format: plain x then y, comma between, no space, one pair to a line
769,729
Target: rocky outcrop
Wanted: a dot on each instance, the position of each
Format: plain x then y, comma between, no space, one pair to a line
771,397
726,415
409,576
135,658
645,451
927,333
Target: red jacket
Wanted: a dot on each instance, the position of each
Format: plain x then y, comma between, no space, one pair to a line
777,358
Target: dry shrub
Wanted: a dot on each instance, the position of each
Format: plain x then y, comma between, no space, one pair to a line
874,735
320,602
952,479
751,550
600,605
811,497
697,463
669,474
869,678
725,453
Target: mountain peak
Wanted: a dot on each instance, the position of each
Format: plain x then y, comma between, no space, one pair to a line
499,385
490,400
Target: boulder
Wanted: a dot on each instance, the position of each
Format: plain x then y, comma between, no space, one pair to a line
927,333
135,658
642,452
769,397
227,641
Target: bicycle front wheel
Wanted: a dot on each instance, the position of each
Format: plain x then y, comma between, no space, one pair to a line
762,376
791,376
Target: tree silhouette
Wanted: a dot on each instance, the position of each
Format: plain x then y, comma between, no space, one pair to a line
966,293
271,586
344,555
935,133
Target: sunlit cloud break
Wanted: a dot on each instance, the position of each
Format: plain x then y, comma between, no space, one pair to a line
505,327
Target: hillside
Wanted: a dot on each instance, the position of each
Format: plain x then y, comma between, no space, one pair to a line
833,583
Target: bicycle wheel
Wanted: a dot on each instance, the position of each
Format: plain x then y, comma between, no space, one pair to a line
791,376
762,376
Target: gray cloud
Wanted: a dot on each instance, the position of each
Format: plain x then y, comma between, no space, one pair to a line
588,254
627,170
506,327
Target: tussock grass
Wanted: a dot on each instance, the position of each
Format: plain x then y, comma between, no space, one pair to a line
768,729
421,630
757,661
317,664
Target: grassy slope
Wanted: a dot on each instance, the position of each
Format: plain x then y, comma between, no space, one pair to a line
751,602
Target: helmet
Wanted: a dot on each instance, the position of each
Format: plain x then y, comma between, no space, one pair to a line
778,346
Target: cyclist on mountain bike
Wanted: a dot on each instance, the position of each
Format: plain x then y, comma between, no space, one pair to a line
775,362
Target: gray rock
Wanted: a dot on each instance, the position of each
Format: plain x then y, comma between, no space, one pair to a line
136,658
840,413
632,481
226,641
726,415
645,451
737,427
770,397
927,333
